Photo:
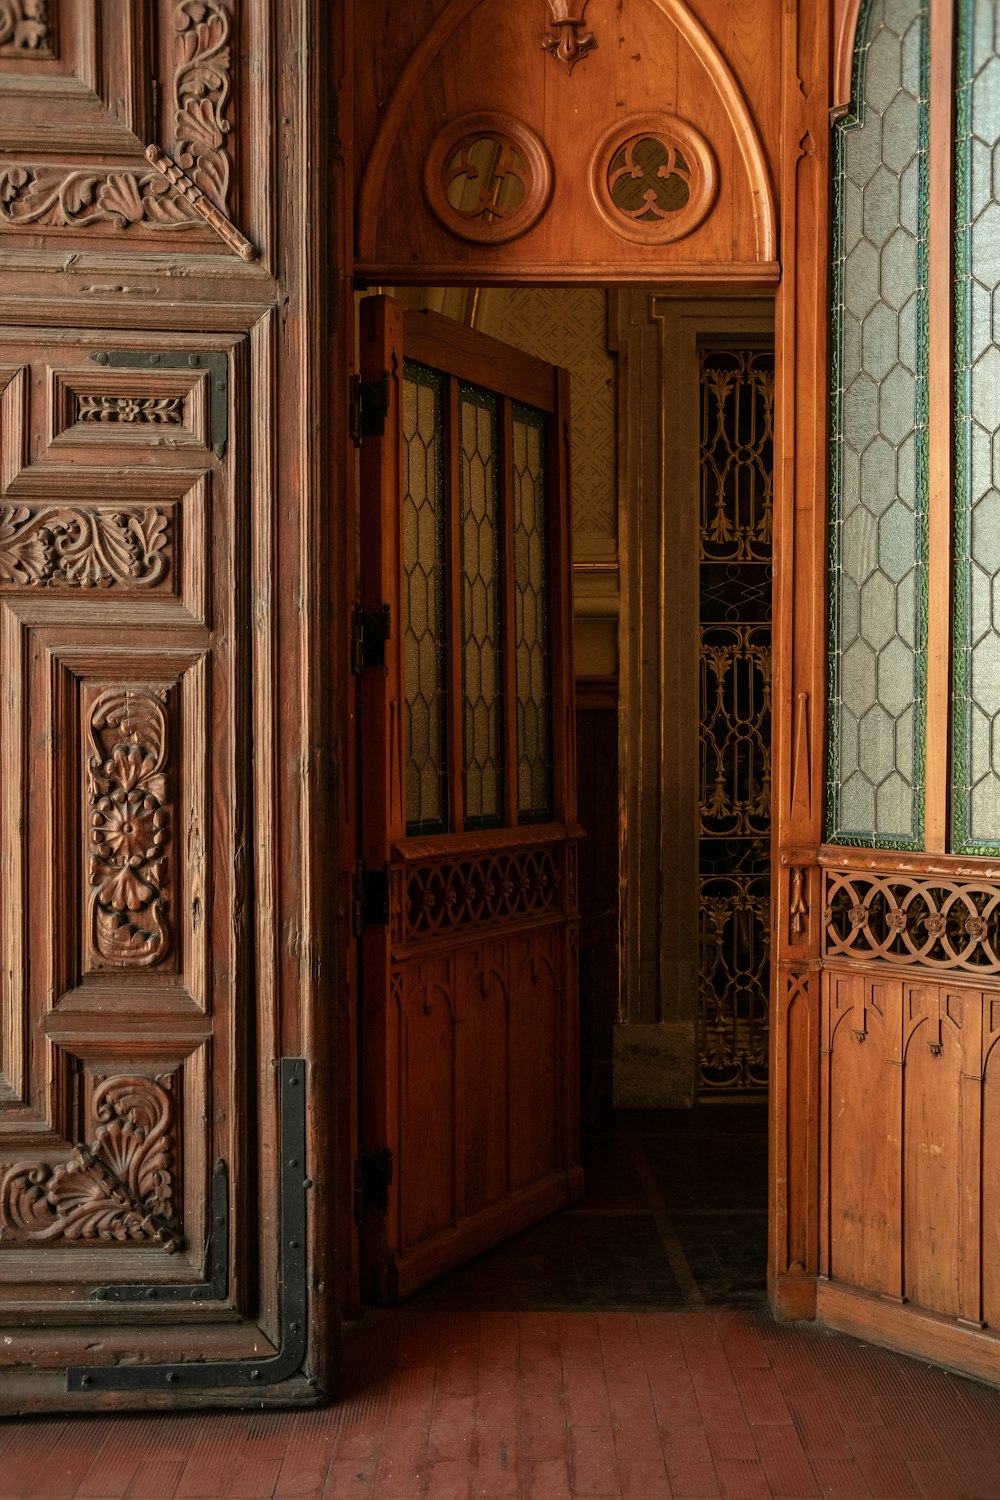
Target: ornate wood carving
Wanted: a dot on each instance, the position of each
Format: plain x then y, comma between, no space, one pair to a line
129,816
130,409
798,906
84,546
569,42
905,919
25,29
119,1188
202,205
487,177
441,896
123,198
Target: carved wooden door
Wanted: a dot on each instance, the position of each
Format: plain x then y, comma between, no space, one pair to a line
467,892
154,1056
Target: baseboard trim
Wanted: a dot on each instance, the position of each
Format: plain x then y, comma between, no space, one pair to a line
910,1330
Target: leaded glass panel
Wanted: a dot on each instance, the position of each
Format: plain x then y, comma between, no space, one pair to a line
425,720
976,799
479,511
734,649
531,616
878,576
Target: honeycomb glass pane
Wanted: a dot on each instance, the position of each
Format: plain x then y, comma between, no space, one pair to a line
879,440
532,666
976,694
479,533
425,725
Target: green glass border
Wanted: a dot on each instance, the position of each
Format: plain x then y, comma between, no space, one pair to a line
834,833
961,709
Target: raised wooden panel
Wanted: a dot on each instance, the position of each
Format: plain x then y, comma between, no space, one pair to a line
989,1307
122,574
933,1163
653,154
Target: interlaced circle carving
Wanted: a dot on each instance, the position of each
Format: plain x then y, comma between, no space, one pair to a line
487,177
946,924
653,178
441,896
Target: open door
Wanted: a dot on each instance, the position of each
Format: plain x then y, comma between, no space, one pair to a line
466,894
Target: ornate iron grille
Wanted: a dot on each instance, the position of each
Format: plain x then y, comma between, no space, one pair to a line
737,416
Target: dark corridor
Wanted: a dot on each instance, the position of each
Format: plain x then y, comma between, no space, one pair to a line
674,1216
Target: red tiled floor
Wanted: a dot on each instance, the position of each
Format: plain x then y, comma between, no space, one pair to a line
555,1406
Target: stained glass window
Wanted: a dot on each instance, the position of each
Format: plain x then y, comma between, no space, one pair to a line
531,616
424,600
878,482
479,499
976,695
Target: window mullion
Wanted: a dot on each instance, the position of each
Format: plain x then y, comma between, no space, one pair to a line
940,174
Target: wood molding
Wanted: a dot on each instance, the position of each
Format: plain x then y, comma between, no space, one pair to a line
913,1330
843,59
743,123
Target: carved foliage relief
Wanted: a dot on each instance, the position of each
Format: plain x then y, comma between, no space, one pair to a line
83,546
129,829
25,29
121,199
120,1188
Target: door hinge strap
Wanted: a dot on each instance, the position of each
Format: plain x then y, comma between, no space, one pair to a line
370,400
371,898
192,1375
215,1288
370,629
372,1180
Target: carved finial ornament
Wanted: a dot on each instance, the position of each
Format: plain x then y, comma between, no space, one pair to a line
569,42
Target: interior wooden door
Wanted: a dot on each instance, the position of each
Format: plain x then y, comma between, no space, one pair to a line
467,895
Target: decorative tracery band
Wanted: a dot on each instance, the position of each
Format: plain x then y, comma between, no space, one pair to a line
940,923
440,897
83,546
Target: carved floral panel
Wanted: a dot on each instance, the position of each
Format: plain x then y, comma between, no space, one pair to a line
129,829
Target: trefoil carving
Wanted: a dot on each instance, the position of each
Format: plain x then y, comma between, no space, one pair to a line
569,42
117,1189
80,547
129,816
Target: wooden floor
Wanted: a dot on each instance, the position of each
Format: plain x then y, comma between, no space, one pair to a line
554,1405
621,1349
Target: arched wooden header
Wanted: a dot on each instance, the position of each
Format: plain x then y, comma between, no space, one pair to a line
510,130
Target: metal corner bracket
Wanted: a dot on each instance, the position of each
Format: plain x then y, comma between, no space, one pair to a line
196,1375
216,1285
214,361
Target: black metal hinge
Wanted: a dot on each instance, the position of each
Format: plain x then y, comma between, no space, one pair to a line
197,1375
370,629
369,404
371,899
372,1179
215,362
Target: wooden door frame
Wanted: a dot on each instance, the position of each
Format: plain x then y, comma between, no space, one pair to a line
799,625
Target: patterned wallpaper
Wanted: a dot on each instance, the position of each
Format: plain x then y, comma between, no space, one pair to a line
568,326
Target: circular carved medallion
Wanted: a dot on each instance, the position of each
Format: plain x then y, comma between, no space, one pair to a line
653,178
487,178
